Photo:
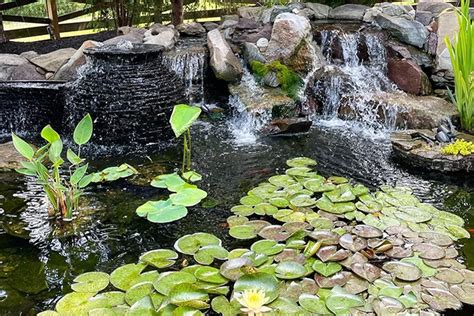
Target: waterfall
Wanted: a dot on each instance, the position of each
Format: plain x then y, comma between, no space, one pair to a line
356,70
189,61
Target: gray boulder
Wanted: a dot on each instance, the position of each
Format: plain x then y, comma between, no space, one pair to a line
410,32
209,26
14,67
424,17
132,37
319,11
448,26
191,29
269,15
222,60
390,9
68,71
251,53
348,12
252,13
51,62
166,38
288,33
434,7
29,54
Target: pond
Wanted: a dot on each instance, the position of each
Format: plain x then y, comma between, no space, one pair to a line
40,258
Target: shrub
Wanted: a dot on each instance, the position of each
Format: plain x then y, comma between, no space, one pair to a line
459,147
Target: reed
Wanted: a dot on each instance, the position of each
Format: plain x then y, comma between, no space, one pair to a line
461,51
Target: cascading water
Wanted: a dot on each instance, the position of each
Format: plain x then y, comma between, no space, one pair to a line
355,72
189,62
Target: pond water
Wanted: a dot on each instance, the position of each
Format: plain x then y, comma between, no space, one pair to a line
108,233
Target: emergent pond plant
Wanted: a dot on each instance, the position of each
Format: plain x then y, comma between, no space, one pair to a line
184,193
45,164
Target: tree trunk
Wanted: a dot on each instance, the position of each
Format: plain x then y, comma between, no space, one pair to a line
176,12
3,38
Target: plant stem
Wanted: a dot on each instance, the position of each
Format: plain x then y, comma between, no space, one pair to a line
189,149
185,149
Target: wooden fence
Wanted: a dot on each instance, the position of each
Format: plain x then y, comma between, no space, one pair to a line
54,25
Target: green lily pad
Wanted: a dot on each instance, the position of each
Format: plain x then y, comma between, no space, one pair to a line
282,180
188,197
207,254
302,200
251,200
404,271
182,117
242,232
73,302
138,291
322,223
340,302
165,181
458,232
113,298
342,193
319,185
192,176
313,304
123,277
90,282
162,211
242,210
189,295
210,274
234,268
267,247
143,307
298,171
190,244
335,208
258,281
279,202
167,280
160,258
301,162
326,269
289,270
338,180
221,305
265,209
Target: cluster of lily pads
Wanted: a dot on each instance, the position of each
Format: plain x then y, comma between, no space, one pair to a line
323,246
110,174
184,195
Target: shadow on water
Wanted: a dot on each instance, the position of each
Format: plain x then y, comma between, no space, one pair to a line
40,258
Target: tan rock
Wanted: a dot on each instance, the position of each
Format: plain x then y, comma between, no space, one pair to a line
51,62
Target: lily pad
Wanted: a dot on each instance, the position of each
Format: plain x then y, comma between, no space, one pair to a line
190,244
188,295
302,200
267,247
90,282
366,271
352,243
441,300
160,258
162,211
326,269
464,292
429,251
233,269
403,270
448,275
289,270
340,278
182,117
138,291
331,253
207,254
426,270
124,277
313,304
167,280
301,162
243,232
367,231
258,281
188,196
340,302
192,176
221,305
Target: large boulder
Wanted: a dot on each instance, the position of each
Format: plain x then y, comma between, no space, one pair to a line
269,15
68,71
288,33
241,35
435,7
222,60
252,13
9,157
319,11
390,9
166,38
448,26
306,57
51,62
191,29
132,37
407,31
14,67
409,77
348,12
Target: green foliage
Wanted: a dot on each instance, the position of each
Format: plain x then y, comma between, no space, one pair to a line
289,80
63,193
462,59
37,9
114,173
459,147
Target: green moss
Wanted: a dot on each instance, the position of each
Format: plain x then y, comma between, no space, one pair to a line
289,80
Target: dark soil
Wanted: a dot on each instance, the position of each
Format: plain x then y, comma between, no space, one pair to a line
43,47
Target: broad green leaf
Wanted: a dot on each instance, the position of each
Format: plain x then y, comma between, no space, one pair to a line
23,147
83,131
123,277
49,134
55,151
183,117
79,174
326,269
159,258
72,157
90,282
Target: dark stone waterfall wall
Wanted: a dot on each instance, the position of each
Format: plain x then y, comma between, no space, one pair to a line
26,107
130,94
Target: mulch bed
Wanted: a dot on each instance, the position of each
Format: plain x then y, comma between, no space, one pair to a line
46,46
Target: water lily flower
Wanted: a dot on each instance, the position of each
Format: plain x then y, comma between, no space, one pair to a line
253,301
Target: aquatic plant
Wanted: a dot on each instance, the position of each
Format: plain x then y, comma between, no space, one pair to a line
462,58
289,80
338,249
459,147
63,192
113,173
185,194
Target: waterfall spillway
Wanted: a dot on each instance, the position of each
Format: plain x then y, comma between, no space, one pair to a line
356,70
189,62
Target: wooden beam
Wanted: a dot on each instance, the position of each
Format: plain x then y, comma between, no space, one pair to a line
15,4
3,38
25,19
86,11
52,11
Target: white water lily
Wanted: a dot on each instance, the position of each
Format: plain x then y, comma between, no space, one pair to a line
253,302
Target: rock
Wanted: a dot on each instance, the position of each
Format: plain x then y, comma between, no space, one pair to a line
157,28
410,32
264,100
222,60
124,30
133,37
319,11
252,35
15,67
251,13
209,26
228,24
271,80
447,27
408,76
269,15
400,50
426,112
191,29
247,24
390,9
306,57
424,17
9,157
289,31
435,7
51,62
29,54
68,71
251,53
166,38
262,43
288,126
348,12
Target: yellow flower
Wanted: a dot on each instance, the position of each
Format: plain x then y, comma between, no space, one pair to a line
253,302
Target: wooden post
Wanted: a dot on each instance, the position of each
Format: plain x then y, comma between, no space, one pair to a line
3,38
52,11
177,12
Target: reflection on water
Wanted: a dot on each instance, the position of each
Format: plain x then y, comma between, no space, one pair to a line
107,233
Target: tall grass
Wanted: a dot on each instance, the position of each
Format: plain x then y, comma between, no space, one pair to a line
461,51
